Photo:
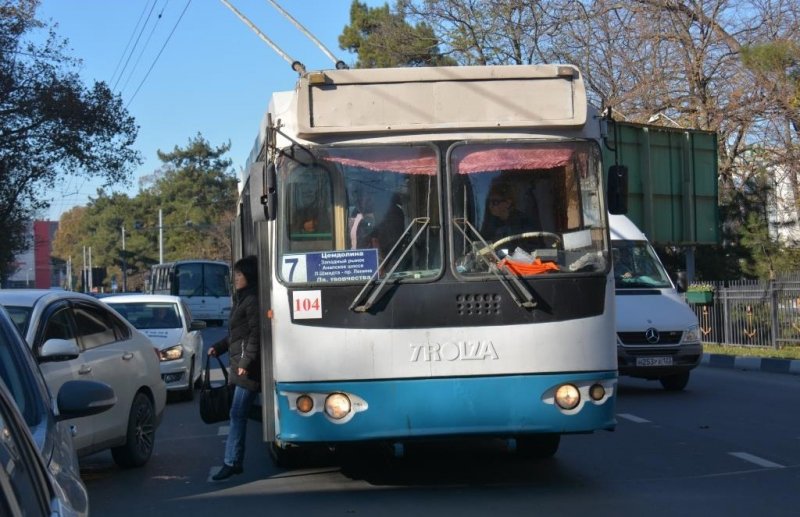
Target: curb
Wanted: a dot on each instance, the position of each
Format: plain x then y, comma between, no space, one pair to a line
761,364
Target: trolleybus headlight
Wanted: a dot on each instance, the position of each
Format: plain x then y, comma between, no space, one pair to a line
337,405
597,392
304,403
567,396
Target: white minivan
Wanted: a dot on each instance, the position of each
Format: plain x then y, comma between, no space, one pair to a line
658,335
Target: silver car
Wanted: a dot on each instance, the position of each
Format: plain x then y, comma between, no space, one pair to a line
39,469
168,322
98,344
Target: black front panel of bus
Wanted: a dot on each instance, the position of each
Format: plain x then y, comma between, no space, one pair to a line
460,304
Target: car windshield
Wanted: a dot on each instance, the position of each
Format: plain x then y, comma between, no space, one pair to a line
21,316
354,213
636,265
150,315
527,208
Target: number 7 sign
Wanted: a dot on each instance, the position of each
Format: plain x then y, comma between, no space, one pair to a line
306,305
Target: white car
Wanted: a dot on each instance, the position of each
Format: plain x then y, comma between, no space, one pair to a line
168,322
75,336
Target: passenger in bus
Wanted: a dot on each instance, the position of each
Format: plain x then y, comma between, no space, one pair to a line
390,228
362,222
243,346
502,216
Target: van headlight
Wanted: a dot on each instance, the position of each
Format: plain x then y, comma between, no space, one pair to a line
171,353
692,334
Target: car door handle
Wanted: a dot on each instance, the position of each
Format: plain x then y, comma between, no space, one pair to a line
85,369
127,356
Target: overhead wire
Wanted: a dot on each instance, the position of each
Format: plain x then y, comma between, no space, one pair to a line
159,54
144,47
116,69
141,31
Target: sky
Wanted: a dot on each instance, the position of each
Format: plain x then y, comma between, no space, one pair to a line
214,75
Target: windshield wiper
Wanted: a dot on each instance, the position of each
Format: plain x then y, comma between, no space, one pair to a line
423,222
506,276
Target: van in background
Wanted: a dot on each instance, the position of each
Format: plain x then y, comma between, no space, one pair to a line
658,335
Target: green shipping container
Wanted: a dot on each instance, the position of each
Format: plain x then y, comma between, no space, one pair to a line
672,181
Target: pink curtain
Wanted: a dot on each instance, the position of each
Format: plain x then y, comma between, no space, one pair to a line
399,159
469,159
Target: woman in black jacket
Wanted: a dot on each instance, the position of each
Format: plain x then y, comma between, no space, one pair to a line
243,345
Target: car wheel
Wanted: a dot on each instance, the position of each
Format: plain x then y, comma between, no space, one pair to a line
140,436
675,382
538,446
188,394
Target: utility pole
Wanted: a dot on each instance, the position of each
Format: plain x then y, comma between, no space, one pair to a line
124,263
84,280
160,238
91,280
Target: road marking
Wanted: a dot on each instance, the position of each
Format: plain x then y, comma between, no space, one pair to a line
633,418
223,430
761,462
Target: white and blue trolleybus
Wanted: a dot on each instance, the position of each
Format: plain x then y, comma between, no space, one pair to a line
434,258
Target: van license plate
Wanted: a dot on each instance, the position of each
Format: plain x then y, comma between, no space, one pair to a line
654,361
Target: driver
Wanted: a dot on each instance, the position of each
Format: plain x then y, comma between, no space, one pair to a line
502,216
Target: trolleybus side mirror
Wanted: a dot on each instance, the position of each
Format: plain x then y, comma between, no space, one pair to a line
270,197
617,189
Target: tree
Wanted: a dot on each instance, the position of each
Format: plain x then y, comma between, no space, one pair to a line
382,39
726,66
51,125
196,192
496,32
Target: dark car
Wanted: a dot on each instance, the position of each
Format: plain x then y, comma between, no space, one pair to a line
51,437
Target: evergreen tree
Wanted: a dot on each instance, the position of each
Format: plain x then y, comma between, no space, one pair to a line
383,39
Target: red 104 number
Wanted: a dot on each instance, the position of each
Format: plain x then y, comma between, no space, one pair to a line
306,304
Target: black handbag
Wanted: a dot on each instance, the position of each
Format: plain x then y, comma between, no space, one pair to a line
215,401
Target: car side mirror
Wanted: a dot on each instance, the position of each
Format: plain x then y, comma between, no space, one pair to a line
198,325
83,398
58,350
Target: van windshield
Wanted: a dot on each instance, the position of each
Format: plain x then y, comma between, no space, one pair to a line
636,265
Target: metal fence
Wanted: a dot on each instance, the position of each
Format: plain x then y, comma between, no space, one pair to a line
752,313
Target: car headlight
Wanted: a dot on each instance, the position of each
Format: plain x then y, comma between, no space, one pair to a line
692,334
170,354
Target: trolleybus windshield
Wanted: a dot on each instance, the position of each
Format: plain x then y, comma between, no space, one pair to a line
346,208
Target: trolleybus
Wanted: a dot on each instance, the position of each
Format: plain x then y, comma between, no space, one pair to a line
434,258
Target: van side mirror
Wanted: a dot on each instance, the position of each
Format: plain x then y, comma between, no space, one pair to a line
681,281
270,197
617,190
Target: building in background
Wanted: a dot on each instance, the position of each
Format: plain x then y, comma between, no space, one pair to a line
35,266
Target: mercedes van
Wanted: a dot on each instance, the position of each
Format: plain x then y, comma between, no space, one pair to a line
658,335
